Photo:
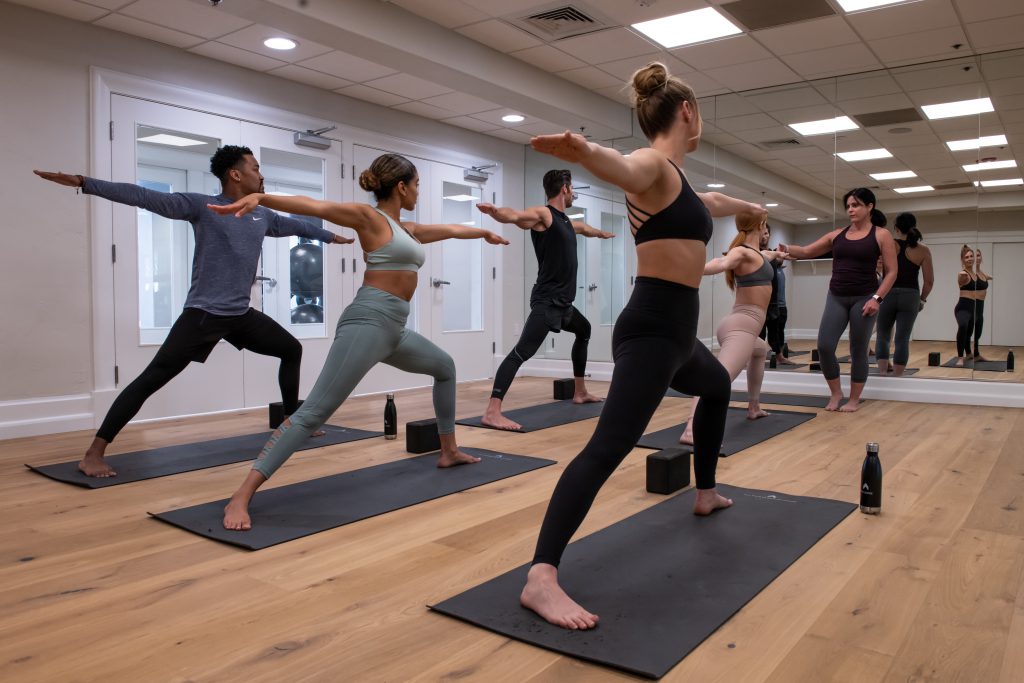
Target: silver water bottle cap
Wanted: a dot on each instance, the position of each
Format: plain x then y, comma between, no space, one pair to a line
872,447
391,397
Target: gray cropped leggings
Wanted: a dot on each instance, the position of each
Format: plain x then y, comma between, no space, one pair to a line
841,311
900,308
371,330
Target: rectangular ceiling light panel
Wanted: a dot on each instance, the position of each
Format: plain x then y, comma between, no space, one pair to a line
688,28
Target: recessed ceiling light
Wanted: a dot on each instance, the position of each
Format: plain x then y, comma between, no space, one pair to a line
172,140
865,154
824,126
460,197
513,118
771,205
918,188
976,143
990,165
857,5
716,185
1000,183
813,218
893,175
280,43
948,110
688,28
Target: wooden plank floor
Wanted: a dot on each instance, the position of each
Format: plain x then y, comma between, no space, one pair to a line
93,590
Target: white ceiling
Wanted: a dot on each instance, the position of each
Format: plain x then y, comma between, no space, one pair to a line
463,63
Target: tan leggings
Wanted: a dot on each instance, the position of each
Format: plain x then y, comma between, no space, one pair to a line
740,347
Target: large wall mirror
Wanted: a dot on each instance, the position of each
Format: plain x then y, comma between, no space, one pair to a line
955,170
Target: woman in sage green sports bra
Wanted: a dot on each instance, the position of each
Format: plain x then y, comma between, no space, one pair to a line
372,328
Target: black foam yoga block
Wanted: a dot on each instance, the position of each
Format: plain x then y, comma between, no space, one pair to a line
668,470
934,358
773,361
277,415
421,436
815,367
565,388
814,355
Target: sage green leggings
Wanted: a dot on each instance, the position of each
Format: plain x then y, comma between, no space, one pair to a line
371,330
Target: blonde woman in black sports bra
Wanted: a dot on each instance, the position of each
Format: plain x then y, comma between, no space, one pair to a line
655,339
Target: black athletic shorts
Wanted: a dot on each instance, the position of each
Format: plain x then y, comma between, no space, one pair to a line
195,333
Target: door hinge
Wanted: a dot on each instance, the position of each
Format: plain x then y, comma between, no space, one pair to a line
343,171
111,130
494,198
354,171
113,253
343,265
494,273
116,375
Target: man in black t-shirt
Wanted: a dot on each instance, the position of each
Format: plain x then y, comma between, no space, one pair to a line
554,241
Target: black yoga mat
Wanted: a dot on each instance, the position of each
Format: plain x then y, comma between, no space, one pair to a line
543,416
846,359
160,462
797,353
873,372
772,399
290,512
784,366
740,433
986,365
662,580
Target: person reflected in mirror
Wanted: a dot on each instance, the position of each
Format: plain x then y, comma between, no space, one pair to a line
774,329
969,307
906,298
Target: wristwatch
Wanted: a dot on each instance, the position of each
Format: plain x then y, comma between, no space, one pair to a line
876,298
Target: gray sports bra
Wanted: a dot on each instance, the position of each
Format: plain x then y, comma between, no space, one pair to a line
403,252
760,277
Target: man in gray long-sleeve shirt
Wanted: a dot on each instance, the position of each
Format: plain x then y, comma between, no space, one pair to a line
217,307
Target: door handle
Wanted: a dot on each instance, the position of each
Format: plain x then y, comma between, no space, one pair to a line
437,282
269,280
592,287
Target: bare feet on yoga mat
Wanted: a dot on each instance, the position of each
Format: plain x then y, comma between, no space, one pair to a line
833,402
709,500
686,438
850,406
236,515
456,458
756,412
493,418
782,360
586,397
93,464
543,595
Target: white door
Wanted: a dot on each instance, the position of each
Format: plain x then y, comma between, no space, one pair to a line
1003,320
167,149
302,284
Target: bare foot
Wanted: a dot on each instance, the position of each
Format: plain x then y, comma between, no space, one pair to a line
499,421
959,362
782,360
757,413
850,406
979,357
686,438
456,458
833,403
708,500
93,465
318,432
586,397
543,595
236,516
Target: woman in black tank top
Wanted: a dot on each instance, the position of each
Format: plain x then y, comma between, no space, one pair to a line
970,308
906,298
854,292
655,339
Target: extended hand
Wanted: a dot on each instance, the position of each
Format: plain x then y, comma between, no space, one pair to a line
568,146
870,308
61,178
605,235
243,206
487,208
338,239
494,238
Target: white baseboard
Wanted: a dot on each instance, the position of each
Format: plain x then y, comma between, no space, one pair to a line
37,416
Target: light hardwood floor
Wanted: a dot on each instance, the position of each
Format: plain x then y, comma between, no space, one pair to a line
93,590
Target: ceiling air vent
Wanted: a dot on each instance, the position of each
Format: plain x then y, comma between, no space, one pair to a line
953,186
772,145
558,22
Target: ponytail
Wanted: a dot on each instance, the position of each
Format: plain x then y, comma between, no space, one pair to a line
878,218
906,223
746,223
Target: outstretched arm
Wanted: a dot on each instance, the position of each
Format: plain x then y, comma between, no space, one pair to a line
173,205
285,226
816,248
723,205
581,228
355,216
427,233
635,173
534,218
731,259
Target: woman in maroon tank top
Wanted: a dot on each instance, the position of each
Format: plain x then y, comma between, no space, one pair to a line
854,291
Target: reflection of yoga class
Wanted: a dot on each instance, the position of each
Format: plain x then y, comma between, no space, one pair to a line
613,341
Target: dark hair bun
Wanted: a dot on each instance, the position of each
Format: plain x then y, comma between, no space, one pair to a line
649,79
369,181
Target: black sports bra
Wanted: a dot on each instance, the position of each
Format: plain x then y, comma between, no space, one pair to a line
685,218
975,284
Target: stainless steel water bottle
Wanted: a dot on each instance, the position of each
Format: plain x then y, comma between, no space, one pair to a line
871,482
390,418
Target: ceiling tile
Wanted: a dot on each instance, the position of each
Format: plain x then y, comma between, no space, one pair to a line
425,110
946,73
1004,33
251,38
110,4
1006,86
548,58
737,124
343,65
787,97
1003,65
406,85
725,106
606,46
754,74
450,13
623,69
65,8
368,94
541,128
634,12
807,35
470,123
913,17
186,16
227,53
460,103
952,93
143,29
867,105
702,84
619,93
591,77
724,52
980,10
832,61
511,135
917,46
504,8
317,79
500,36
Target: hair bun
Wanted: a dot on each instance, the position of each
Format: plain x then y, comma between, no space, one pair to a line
369,181
648,80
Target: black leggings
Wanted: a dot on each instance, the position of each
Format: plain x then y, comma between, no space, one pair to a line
192,338
535,330
774,330
654,346
979,321
966,313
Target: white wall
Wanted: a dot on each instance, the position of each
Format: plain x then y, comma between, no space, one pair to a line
45,265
